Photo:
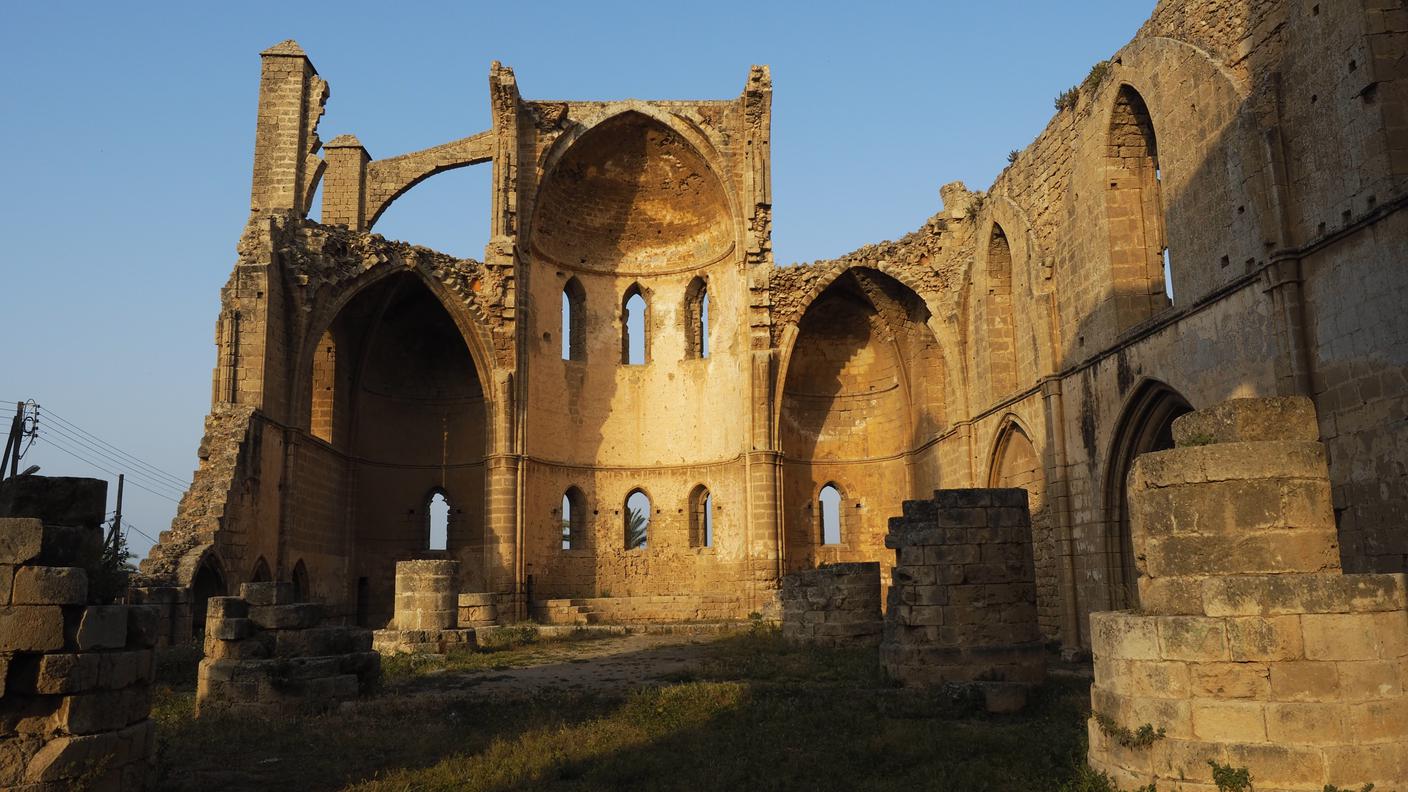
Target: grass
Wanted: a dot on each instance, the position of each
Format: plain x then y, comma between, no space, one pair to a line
756,714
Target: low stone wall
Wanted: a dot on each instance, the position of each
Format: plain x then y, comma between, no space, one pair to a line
74,677
833,605
478,610
426,618
1249,647
962,604
266,654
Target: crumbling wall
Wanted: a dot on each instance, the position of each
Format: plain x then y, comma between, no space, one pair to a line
962,609
1249,648
74,676
266,654
833,605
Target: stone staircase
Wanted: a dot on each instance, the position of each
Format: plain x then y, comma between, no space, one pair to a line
659,609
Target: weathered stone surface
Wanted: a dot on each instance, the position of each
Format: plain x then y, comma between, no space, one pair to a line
102,627
269,593
43,585
21,539
31,628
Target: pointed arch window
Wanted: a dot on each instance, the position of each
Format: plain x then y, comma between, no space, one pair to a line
1002,348
635,326
437,516
261,573
701,517
829,509
574,321
574,519
696,319
637,520
302,587
1141,266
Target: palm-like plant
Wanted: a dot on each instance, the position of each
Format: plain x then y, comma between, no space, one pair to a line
636,525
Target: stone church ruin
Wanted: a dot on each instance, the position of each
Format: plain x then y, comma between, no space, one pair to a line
1145,395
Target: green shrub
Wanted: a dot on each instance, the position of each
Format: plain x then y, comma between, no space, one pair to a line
1231,779
1142,737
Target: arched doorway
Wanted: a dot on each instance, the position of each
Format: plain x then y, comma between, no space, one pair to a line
408,422
863,390
1015,463
1146,426
209,581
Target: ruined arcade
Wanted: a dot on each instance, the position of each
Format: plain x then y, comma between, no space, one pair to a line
1215,213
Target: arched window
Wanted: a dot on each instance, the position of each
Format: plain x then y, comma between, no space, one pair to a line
1141,269
302,588
701,517
208,582
1147,426
696,319
574,321
574,519
1002,349
635,327
261,573
324,388
437,513
637,522
829,507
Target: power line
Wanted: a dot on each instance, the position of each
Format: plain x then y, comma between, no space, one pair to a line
81,458
46,431
50,414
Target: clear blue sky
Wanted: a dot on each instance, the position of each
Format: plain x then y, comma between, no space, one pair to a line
128,131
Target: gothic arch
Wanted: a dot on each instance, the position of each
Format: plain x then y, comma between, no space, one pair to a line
1145,425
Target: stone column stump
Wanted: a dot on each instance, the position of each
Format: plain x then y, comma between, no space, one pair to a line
1249,647
962,606
426,618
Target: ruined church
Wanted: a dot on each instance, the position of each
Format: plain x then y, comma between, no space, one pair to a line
631,411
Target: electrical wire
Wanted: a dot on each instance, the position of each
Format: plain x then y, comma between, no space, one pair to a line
51,432
136,461
55,444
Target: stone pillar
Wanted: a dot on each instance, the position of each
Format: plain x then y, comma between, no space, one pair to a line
345,186
1250,647
426,619
291,97
962,607
427,595
75,672
833,605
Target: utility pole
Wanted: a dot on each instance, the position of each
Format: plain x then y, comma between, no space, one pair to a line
11,458
117,516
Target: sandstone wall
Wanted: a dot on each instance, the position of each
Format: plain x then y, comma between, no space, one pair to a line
1250,648
75,677
833,605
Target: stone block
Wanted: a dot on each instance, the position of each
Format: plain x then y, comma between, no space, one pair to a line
102,627
1271,552
226,608
41,585
1231,680
1306,722
1229,462
1275,765
143,626
1119,634
1229,721
229,629
71,757
68,673
31,628
1370,680
1195,638
1305,680
267,593
1340,636
55,500
299,616
21,539
1265,638
1267,419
